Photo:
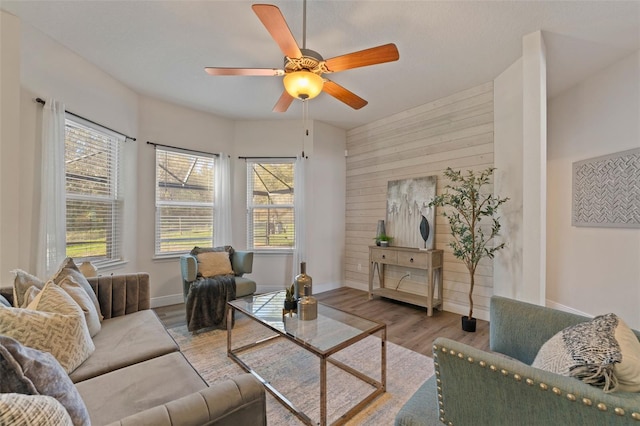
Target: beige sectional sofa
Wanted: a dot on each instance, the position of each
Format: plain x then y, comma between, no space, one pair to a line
138,376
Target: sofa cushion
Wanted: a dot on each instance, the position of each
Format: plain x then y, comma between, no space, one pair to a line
69,269
29,371
17,409
80,296
244,287
132,389
211,264
602,352
52,323
126,340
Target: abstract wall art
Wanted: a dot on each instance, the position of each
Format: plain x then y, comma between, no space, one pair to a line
606,191
408,211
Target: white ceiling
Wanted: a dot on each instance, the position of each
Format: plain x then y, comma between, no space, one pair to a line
159,48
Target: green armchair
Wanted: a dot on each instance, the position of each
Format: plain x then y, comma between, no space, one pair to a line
474,387
241,262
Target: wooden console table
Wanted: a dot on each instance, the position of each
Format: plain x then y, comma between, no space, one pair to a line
428,260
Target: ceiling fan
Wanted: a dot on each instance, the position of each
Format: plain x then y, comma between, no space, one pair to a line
303,68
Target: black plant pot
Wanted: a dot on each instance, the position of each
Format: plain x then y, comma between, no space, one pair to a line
290,305
468,324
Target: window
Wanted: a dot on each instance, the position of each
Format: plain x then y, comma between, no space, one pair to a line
270,207
184,201
93,199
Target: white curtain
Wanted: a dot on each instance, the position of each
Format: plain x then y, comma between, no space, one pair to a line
299,182
52,230
222,232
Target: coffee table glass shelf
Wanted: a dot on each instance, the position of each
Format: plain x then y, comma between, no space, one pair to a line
333,331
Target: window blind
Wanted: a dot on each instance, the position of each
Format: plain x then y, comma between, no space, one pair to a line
270,207
184,201
93,199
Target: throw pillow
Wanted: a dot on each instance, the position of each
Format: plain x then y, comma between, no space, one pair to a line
211,264
21,283
29,371
80,296
52,323
29,295
69,269
590,351
198,250
17,410
628,370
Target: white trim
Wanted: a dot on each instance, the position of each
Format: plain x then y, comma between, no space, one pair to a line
172,299
560,307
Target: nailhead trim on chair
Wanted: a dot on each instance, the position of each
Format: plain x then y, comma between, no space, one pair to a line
543,386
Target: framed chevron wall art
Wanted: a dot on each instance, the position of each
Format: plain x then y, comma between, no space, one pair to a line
606,191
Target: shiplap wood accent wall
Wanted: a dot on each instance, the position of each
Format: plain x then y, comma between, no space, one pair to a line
456,132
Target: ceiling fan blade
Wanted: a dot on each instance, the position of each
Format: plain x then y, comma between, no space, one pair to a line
269,72
283,103
343,95
363,58
274,22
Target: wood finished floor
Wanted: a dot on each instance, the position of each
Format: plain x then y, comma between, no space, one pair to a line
407,325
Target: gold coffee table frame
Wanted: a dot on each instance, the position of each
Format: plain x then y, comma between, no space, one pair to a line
345,330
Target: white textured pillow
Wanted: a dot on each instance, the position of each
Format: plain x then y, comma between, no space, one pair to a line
52,323
69,269
17,410
214,263
602,352
80,296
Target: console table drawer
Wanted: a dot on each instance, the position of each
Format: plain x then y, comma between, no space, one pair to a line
413,260
384,256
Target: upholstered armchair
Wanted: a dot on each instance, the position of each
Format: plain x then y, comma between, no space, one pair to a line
241,262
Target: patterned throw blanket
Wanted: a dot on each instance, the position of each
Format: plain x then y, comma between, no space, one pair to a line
207,302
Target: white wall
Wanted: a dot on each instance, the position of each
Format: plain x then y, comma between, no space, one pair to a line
168,124
10,241
508,159
325,205
593,270
33,65
520,147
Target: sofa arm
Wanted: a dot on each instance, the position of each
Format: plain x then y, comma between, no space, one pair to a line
482,388
237,401
242,262
122,294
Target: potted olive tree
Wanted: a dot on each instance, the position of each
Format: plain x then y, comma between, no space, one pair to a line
467,206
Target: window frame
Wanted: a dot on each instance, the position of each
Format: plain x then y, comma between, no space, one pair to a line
251,207
187,204
115,198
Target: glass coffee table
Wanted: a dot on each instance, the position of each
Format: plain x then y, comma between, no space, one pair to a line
333,331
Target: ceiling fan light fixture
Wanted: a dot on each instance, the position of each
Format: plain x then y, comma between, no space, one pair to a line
303,84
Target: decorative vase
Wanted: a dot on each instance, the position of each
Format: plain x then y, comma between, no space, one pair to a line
468,324
301,280
88,269
384,243
308,305
380,230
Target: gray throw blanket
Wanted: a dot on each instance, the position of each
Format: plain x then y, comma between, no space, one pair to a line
207,301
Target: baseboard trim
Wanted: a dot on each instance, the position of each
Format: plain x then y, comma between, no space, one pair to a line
172,299
560,307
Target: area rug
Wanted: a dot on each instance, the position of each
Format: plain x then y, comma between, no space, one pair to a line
295,372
